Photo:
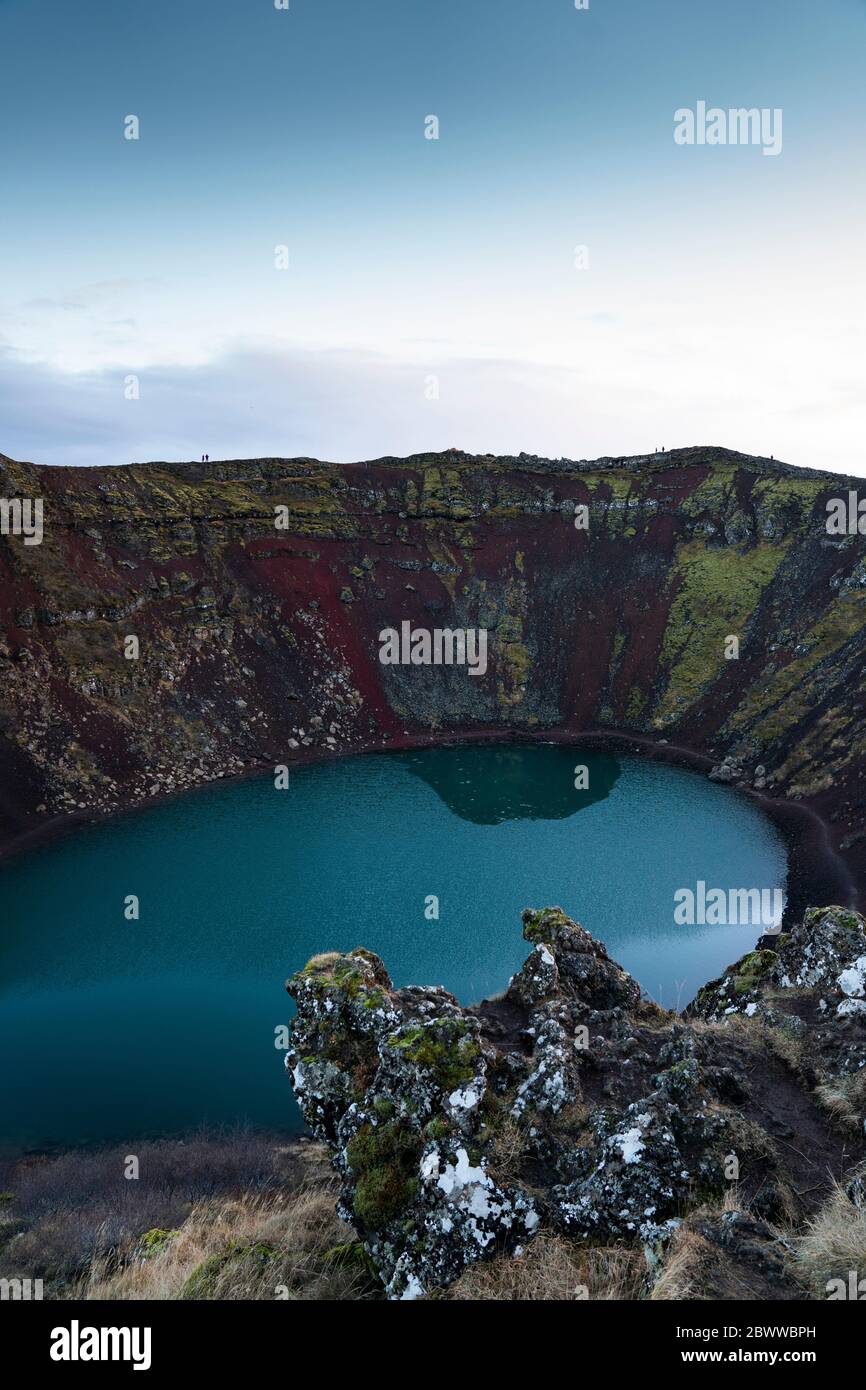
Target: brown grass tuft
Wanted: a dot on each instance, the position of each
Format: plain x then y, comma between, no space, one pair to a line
551,1268
835,1243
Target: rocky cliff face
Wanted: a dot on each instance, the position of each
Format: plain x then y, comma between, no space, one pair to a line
572,1107
259,642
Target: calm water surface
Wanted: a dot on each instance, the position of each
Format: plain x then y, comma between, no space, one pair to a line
114,1029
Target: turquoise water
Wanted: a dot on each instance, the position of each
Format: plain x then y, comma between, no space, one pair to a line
114,1029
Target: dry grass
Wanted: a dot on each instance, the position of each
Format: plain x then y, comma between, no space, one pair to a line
507,1151
835,1242
844,1100
694,1268
248,1212
686,1267
552,1269
788,1045
264,1247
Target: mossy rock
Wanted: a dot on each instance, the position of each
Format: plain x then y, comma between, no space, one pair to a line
543,928
346,974
384,1160
438,1128
751,969
447,1049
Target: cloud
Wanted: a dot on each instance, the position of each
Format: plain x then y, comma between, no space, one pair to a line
344,405
334,404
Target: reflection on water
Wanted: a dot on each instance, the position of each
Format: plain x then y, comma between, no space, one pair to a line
553,783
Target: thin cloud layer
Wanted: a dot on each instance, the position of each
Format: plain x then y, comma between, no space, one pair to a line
346,405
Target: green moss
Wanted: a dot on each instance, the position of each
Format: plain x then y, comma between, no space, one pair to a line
713,495
438,1128
384,1160
443,494
352,1254
542,928
201,1284
636,701
207,1278
783,697
335,972
155,1241
717,591
374,999
751,969
616,486
447,1049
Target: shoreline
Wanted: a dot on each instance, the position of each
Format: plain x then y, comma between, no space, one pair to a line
817,875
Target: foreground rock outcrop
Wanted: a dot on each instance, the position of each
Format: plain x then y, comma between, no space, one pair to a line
256,591
572,1105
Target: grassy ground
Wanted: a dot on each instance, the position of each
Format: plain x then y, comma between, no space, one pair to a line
223,1216
244,1216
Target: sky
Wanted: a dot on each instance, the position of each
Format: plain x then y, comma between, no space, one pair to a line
436,294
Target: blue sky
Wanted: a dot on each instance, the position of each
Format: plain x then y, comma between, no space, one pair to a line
432,297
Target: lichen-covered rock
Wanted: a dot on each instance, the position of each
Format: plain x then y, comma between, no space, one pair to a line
344,1008
395,1082
459,1213
826,953
413,1097
643,1164
585,970
572,1105
537,979
553,1081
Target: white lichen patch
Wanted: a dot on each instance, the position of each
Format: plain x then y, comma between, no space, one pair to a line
631,1142
853,980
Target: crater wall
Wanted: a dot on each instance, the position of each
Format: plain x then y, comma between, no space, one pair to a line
259,644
